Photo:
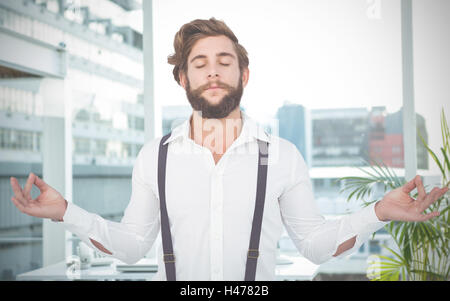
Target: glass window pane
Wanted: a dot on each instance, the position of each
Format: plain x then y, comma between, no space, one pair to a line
20,153
106,112
105,82
325,76
432,104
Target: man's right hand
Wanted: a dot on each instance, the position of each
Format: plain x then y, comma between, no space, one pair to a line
49,204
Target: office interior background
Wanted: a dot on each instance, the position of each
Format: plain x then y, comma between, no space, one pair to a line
84,84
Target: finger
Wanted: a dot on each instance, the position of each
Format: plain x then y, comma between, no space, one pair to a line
30,209
40,184
425,217
28,186
18,205
420,189
18,191
433,196
408,187
440,193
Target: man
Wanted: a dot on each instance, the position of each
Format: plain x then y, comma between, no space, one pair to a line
212,168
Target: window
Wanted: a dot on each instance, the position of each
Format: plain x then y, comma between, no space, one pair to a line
100,147
13,139
344,89
431,93
139,123
20,152
339,118
374,247
396,149
102,77
82,146
3,137
110,105
127,150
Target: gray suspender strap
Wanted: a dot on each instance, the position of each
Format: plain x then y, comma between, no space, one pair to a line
168,257
253,252
253,249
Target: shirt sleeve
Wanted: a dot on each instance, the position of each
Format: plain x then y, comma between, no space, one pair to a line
130,239
315,237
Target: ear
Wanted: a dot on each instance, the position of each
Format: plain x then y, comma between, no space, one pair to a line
245,76
182,79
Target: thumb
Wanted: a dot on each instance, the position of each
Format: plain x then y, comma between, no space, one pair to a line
40,183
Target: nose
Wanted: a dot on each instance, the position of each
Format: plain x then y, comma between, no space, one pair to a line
212,75
212,72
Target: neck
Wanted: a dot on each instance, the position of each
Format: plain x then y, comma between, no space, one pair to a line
216,134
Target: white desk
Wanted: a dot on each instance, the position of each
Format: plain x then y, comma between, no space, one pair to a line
58,272
300,269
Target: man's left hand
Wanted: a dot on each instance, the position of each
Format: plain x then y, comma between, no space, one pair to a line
398,205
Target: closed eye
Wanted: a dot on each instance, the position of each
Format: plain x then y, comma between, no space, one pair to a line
198,67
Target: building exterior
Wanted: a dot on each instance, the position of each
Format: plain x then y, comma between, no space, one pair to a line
339,137
174,116
385,142
293,126
386,138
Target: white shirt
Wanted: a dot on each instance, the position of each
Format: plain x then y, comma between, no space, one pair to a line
210,209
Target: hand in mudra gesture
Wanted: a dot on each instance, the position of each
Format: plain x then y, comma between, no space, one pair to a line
398,205
49,204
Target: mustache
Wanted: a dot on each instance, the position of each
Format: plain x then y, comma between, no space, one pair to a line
215,84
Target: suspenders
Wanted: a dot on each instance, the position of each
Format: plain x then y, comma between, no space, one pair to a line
169,257
253,252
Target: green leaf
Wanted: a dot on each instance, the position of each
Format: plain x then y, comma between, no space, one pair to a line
387,270
400,260
446,161
445,130
433,155
429,273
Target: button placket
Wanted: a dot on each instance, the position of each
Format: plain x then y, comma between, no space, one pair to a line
216,216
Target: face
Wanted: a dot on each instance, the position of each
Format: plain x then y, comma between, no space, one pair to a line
214,83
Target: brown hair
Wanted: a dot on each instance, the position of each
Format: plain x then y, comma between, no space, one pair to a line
195,30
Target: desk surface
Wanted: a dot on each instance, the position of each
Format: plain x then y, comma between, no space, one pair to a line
299,269
59,272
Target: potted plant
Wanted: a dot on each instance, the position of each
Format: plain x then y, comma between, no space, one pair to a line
423,246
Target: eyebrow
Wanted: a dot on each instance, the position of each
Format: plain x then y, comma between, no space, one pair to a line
221,54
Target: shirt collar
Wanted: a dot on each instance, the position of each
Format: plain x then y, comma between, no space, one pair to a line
250,130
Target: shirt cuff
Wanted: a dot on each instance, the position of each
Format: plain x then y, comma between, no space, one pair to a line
366,221
78,218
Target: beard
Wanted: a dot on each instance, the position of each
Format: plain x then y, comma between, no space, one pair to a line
219,110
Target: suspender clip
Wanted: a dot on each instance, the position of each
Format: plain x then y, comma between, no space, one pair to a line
169,258
253,253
